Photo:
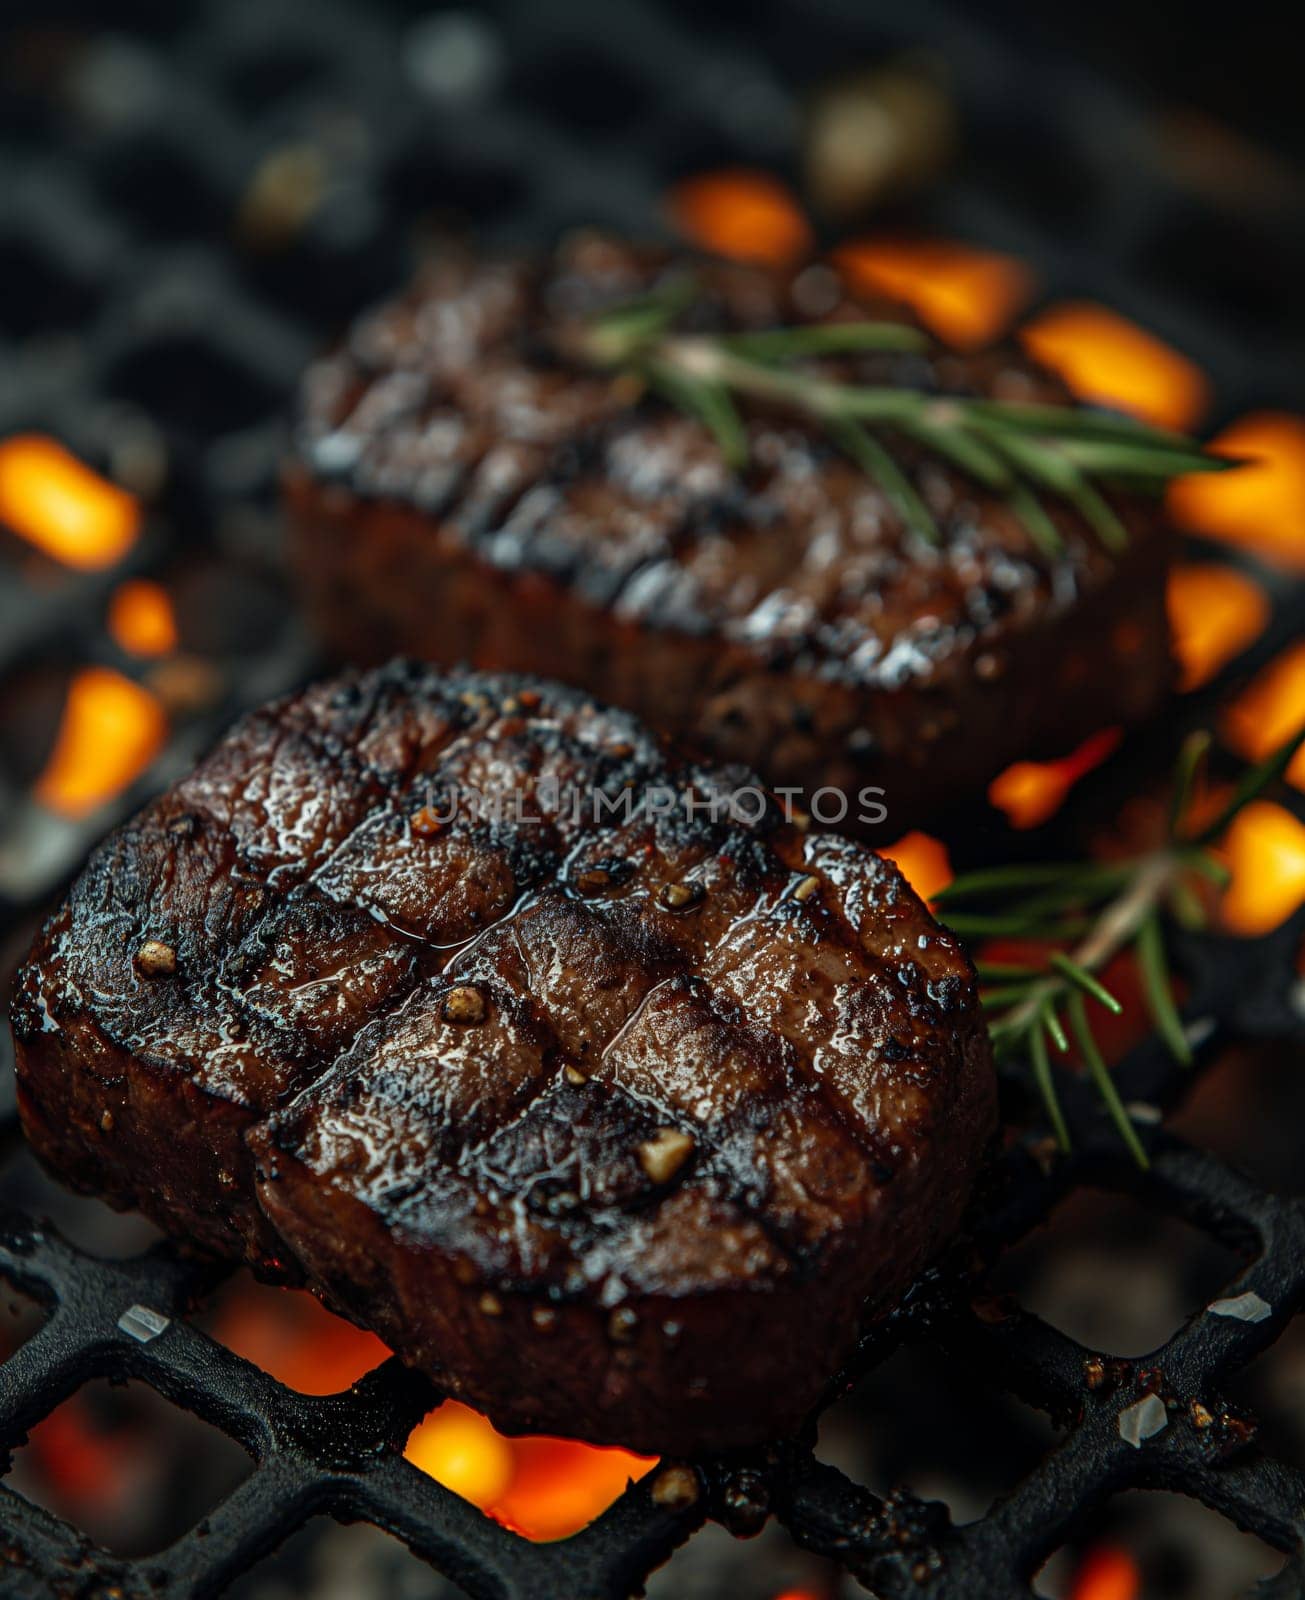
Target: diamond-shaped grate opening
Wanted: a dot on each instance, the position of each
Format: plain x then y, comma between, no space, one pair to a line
1113,1274
126,1467
1161,1545
927,1421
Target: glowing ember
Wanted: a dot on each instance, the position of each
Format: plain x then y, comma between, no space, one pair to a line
463,1451
1105,358
966,296
1214,613
560,1485
1265,851
111,730
1030,792
923,862
542,1488
1107,1574
295,1338
1270,712
141,619
1262,504
59,505
740,213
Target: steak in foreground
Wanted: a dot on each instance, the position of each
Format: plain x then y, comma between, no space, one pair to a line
462,490
618,1125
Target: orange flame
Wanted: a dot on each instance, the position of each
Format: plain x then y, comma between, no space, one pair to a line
141,618
737,212
59,505
1030,792
923,861
1105,358
1271,711
1108,1573
111,730
1262,504
964,295
541,1488
1214,613
1265,851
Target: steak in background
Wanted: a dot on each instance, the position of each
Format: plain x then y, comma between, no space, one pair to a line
619,1127
460,492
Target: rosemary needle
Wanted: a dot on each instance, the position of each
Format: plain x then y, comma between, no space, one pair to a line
1252,783
877,462
711,404
1023,875
1083,979
1159,992
824,339
1042,1076
1191,760
1101,1077
1051,1022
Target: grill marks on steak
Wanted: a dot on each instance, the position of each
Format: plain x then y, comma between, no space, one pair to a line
614,1127
463,491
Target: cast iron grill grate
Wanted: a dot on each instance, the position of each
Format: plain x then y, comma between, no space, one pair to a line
159,301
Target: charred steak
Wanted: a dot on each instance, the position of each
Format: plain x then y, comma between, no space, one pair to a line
615,1117
460,492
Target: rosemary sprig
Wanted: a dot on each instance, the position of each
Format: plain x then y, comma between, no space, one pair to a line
1021,451
1086,914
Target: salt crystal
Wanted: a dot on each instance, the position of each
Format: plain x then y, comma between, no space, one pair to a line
1143,1420
142,1323
1248,1307
1144,1112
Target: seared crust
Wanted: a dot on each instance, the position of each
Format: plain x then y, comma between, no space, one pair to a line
618,1128
461,492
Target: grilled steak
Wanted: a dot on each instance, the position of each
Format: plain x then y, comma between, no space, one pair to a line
450,995
461,492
